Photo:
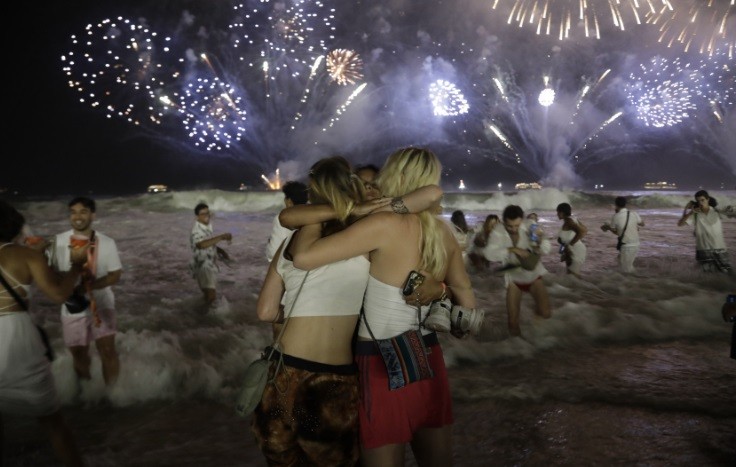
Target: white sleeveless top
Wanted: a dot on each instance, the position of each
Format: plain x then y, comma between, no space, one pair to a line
335,289
387,313
10,279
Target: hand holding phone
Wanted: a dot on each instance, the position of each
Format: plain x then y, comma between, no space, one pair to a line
412,282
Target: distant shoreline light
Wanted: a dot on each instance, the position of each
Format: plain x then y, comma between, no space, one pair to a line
660,186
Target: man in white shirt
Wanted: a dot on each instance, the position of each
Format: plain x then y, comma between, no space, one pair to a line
203,264
625,224
294,193
710,246
90,313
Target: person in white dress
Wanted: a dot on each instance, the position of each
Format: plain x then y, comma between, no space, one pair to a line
572,249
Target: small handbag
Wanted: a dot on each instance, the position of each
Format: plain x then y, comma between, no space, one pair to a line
405,356
256,375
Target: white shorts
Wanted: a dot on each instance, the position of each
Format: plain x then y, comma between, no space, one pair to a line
79,329
206,278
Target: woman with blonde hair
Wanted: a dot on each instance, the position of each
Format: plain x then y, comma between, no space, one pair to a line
309,415
398,243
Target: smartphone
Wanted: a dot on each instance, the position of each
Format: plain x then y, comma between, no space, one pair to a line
412,282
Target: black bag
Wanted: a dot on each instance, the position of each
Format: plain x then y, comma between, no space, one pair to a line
76,303
619,244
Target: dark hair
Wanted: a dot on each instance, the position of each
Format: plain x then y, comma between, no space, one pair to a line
372,167
199,207
565,209
711,201
458,218
513,211
11,222
295,191
620,201
88,203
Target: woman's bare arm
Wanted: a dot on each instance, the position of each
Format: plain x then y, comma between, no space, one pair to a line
268,306
360,238
418,200
56,286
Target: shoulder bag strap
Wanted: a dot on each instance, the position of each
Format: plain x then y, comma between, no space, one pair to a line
23,304
286,317
625,225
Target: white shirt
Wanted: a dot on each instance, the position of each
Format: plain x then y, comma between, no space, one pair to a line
278,234
708,230
618,221
497,250
108,261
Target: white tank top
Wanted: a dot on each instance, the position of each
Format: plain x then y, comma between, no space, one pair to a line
387,313
335,289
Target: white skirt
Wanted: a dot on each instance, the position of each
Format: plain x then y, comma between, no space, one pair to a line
26,382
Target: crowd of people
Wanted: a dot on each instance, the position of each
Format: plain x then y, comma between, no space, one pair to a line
339,392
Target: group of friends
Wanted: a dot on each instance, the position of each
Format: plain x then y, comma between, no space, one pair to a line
339,257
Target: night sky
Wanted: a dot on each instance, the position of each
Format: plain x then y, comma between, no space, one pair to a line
64,146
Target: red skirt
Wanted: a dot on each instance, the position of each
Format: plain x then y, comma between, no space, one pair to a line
392,417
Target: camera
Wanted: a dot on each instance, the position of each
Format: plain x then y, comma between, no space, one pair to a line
438,318
443,316
414,280
76,303
466,319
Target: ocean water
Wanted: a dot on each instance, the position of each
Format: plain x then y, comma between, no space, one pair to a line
630,369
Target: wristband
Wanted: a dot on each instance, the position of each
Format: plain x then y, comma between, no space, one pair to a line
398,206
444,291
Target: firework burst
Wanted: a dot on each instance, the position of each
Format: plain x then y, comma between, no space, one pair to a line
345,66
117,66
283,34
559,17
447,100
703,24
548,141
662,93
212,113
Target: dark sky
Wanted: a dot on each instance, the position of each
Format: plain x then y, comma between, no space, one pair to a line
64,146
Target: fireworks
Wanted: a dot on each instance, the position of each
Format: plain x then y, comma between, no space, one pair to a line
447,100
547,143
212,114
283,33
701,24
559,17
660,93
546,97
117,66
344,66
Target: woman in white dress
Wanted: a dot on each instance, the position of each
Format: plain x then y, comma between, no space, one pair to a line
572,249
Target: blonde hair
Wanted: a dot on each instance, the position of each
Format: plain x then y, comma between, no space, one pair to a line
405,171
333,182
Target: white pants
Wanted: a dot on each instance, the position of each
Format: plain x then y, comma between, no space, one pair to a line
626,256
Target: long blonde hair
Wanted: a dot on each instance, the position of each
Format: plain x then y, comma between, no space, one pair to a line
405,171
333,182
